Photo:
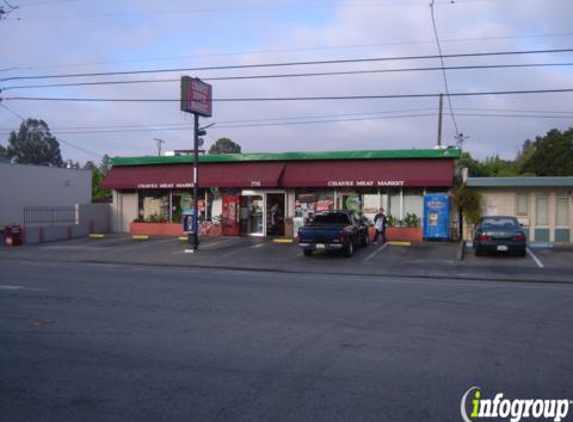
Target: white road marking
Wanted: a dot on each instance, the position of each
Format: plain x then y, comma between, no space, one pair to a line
258,245
534,257
373,254
32,289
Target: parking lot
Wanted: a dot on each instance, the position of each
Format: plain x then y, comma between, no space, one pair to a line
427,259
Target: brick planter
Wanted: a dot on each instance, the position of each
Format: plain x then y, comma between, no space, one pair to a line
171,229
406,234
156,229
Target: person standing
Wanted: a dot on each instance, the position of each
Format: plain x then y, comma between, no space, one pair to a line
380,223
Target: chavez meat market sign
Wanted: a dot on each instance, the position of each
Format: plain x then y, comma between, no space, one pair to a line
365,183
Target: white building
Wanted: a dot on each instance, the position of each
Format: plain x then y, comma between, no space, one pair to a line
24,185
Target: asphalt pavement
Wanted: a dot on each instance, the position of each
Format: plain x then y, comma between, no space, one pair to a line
93,342
433,260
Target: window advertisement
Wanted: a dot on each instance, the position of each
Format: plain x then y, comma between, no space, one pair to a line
153,206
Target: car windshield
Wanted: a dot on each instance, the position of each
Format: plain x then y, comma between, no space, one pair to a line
499,223
331,218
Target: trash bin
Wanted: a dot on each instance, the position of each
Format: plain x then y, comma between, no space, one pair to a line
13,235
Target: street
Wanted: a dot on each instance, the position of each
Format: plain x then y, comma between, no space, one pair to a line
106,342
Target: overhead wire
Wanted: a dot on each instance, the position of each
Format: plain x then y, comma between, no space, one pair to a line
290,75
289,50
289,64
297,98
446,87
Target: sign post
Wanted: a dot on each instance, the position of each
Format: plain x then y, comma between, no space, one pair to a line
196,98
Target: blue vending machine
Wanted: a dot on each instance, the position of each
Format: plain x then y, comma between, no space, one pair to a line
436,216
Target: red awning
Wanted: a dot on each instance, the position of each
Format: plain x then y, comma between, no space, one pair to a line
173,176
374,173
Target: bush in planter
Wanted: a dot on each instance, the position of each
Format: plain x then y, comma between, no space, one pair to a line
412,220
392,221
138,220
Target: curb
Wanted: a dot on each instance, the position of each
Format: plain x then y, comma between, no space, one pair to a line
285,271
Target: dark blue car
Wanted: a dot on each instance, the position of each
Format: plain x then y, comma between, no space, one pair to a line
499,234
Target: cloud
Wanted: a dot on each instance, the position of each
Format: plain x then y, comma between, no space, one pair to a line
294,34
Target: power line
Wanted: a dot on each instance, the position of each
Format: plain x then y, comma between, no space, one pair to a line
289,64
444,71
4,106
291,75
309,122
87,151
153,127
242,9
290,50
301,98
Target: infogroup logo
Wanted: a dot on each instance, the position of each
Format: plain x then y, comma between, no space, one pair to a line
515,410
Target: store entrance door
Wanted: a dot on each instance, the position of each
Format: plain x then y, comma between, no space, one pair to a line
251,213
275,215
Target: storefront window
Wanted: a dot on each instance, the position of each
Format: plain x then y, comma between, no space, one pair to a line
562,212
413,202
522,204
154,205
395,205
542,211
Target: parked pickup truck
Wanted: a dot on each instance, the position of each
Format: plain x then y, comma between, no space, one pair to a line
333,230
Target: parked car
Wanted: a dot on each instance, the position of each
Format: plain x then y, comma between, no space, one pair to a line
333,230
499,234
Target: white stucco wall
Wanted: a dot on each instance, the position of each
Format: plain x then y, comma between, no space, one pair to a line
28,185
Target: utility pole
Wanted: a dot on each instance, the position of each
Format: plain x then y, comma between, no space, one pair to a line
159,142
440,120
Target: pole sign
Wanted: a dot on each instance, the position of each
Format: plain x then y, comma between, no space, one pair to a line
196,96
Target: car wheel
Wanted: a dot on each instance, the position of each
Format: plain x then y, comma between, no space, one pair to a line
365,239
522,253
307,252
349,250
477,251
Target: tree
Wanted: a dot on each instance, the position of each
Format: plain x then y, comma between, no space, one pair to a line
552,155
34,144
98,174
225,146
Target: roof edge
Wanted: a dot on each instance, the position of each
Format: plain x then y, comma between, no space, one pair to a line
449,153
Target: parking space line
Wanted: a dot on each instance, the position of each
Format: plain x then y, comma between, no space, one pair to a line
373,254
534,257
258,245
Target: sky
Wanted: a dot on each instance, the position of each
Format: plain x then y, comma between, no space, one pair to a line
62,37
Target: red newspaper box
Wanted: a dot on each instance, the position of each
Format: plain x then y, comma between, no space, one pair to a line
13,235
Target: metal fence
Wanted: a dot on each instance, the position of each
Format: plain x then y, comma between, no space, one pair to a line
50,215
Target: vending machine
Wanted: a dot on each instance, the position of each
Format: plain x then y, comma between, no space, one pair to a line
436,216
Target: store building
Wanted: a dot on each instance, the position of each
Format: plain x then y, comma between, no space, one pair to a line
270,194
543,205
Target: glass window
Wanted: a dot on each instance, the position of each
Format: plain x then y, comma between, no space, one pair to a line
522,204
414,202
562,212
154,205
542,211
394,203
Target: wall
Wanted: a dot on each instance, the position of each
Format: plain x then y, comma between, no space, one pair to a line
503,201
28,185
92,218
123,210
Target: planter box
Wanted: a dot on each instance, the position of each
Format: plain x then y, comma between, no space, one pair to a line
406,234
171,229
156,229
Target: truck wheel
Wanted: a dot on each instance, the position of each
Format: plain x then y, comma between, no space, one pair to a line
307,252
349,250
365,239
